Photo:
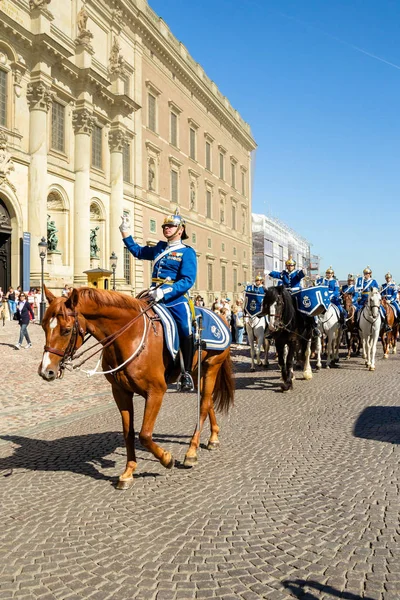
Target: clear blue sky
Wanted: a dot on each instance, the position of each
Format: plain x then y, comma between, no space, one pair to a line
319,83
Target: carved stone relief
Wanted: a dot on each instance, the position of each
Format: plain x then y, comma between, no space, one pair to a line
6,162
84,35
39,96
117,62
83,121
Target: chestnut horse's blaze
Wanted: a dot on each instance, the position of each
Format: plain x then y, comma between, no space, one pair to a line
126,326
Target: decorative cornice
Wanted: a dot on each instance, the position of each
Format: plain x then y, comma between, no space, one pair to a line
152,88
152,147
116,140
173,106
193,173
83,121
175,161
193,123
39,96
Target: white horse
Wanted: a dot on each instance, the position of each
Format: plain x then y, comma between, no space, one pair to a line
256,328
370,323
329,325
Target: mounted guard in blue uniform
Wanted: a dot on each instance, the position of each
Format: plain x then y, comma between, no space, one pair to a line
291,279
254,295
174,270
389,291
350,288
364,285
334,290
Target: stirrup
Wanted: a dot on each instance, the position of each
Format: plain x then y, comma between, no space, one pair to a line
185,383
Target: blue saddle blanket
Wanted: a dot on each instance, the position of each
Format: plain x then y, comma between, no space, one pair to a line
253,302
313,301
215,333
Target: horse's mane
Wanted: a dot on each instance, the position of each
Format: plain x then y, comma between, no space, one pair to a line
114,299
271,296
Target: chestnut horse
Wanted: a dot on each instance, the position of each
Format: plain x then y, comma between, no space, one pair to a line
134,360
352,335
389,338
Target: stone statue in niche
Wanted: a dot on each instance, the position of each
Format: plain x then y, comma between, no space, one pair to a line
52,239
94,249
117,63
152,176
192,195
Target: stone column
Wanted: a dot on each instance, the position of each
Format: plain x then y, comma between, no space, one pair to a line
39,98
82,121
116,140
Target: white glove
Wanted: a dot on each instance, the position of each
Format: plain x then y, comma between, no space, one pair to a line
125,225
157,294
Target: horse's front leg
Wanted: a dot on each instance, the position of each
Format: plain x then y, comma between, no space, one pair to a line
318,350
374,343
307,372
124,402
152,407
266,352
206,405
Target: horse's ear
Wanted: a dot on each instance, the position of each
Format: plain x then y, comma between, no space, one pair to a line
72,300
49,295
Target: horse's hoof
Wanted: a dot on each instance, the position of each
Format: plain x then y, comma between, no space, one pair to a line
307,376
386,356
266,366
167,460
371,368
318,368
252,369
124,484
190,461
213,445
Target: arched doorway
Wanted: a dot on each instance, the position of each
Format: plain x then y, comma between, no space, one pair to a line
5,247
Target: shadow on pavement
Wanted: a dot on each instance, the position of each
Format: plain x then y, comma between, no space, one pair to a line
381,423
77,454
296,587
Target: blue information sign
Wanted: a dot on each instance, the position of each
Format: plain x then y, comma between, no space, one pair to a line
26,261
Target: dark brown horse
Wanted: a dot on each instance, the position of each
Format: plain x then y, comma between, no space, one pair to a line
352,335
389,338
134,360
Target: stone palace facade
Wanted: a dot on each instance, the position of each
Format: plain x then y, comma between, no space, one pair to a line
104,112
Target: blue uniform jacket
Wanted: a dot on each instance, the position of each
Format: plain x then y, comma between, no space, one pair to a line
180,264
389,291
291,281
350,289
366,287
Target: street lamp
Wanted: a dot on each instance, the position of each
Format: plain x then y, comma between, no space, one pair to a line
42,253
113,260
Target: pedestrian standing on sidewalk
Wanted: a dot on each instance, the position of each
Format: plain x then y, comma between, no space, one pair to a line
12,305
24,315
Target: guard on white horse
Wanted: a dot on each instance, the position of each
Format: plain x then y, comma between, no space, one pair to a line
256,324
332,283
370,325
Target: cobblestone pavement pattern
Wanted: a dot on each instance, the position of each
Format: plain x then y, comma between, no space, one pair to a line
301,501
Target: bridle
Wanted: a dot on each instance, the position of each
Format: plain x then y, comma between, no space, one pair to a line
77,332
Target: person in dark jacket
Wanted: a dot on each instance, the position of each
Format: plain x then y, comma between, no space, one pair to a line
24,315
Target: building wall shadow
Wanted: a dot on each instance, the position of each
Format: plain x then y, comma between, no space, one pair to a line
380,423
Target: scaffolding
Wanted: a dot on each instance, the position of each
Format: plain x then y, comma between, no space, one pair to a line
274,242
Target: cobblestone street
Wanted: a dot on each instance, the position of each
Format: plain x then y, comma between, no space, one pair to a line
301,501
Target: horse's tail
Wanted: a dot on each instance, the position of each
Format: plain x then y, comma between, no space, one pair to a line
224,388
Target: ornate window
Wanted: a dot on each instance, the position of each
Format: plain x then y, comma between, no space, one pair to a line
174,129
127,266
208,204
192,143
58,126
151,103
97,150
233,174
153,226
174,185
209,277
223,278
234,215
208,156
3,97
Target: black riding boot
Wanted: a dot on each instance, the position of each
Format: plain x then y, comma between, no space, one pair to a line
187,349
386,326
